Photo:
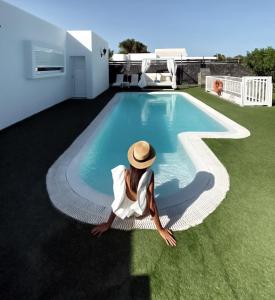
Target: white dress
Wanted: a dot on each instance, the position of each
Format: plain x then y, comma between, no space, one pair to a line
122,206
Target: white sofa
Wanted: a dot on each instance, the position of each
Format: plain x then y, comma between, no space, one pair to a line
158,79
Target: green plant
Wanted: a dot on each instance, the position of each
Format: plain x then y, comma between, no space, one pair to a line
262,61
220,57
240,58
132,46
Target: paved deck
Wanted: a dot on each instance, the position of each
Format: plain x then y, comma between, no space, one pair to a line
45,254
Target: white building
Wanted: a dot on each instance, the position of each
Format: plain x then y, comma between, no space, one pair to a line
177,54
42,64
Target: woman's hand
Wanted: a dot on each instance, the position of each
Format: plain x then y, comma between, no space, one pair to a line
99,229
167,235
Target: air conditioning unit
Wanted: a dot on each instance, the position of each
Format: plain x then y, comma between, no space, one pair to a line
43,60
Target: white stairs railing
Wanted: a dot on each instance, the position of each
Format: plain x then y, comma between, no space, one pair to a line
248,90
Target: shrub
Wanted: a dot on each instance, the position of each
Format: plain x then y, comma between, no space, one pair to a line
262,61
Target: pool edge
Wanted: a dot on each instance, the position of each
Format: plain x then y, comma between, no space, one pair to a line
60,190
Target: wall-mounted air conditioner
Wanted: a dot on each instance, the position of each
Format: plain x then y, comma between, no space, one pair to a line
43,60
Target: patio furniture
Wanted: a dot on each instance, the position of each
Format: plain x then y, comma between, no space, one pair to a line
134,80
158,79
119,80
125,84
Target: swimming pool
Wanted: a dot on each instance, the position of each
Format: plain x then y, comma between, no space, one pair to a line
157,118
190,182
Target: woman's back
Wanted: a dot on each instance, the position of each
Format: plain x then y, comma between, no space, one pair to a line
132,195
132,179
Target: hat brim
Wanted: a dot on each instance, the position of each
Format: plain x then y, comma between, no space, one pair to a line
144,164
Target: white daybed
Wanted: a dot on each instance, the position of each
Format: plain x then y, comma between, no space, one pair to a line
158,79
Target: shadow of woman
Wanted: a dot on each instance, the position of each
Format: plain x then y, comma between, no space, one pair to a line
175,205
76,265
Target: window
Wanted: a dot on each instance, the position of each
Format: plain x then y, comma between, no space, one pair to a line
44,61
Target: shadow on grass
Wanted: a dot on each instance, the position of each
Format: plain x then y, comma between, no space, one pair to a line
44,254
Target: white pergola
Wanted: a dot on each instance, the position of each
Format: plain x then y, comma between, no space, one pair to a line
171,66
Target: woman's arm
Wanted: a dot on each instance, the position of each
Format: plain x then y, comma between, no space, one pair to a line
101,228
165,233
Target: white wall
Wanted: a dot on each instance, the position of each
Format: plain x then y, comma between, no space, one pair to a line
97,66
75,42
100,65
21,97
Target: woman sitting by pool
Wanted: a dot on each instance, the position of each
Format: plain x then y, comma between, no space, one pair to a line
134,191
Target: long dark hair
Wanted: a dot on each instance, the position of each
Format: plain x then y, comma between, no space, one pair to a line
135,175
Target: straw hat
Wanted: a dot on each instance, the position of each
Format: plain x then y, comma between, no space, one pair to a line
141,155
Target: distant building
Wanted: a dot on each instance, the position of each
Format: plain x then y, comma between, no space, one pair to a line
164,53
176,53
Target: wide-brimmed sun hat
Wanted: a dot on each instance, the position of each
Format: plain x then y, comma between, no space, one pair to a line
141,155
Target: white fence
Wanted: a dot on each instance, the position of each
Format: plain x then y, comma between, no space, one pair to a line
248,90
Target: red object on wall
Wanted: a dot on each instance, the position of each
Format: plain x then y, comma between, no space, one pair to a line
218,86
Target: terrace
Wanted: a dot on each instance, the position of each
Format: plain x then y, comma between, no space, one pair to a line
46,254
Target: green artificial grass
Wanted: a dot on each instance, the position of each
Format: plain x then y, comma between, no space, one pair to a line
46,255
232,254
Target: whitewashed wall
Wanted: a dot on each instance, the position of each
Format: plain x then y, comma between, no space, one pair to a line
21,97
79,43
100,65
97,66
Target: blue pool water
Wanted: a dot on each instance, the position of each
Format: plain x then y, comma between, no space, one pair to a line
156,118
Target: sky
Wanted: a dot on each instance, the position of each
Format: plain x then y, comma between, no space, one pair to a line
203,27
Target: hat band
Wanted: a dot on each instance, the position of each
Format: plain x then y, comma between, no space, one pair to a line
140,160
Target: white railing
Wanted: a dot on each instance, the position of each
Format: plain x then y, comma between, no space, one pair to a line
248,90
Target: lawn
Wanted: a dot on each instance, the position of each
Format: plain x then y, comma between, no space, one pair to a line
232,254
47,255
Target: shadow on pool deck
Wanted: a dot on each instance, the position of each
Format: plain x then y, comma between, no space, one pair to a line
43,253
202,182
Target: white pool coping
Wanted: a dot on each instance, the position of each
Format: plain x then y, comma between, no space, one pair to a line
199,199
